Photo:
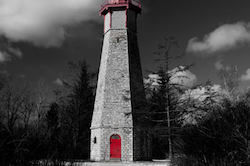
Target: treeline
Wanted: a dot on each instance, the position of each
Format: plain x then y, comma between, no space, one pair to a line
198,125
34,131
202,125
220,138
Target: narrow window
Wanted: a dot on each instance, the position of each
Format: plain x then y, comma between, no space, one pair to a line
118,40
95,140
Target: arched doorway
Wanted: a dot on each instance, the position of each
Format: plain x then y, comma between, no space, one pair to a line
115,147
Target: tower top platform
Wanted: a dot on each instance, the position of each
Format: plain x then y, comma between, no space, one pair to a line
128,4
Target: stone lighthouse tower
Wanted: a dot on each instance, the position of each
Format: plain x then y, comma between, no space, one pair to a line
116,129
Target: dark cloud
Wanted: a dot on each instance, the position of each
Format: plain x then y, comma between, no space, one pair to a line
43,22
6,50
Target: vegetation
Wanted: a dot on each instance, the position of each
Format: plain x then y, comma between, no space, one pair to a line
220,138
163,99
33,131
203,125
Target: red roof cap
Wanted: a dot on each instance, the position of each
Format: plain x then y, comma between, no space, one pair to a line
134,4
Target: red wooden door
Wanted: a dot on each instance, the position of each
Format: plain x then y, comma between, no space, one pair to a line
115,147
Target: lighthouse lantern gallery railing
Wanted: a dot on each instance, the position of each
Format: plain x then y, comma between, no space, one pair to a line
111,2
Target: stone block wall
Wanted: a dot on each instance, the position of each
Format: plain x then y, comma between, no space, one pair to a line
113,105
101,149
131,20
118,19
107,22
113,91
119,94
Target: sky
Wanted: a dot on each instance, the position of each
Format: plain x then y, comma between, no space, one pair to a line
39,37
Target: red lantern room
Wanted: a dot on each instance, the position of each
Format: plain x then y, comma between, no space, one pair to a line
120,14
128,4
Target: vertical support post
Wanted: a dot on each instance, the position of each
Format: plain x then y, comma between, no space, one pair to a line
110,24
126,18
104,24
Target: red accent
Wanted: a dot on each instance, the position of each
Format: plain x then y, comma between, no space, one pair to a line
104,24
110,15
128,4
115,147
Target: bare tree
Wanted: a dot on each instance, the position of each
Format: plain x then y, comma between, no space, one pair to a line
164,99
41,104
15,102
16,106
230,81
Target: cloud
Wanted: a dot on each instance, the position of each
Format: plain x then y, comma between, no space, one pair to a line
152,81
58,81
22,76
246,76
184,77
196,99
43,22
6,50
202,92
4,56
219,66
227,36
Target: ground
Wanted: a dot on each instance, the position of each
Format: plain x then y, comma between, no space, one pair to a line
139,163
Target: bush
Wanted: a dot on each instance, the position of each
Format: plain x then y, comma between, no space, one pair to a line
221,138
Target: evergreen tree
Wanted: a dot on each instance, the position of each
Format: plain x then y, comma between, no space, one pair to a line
76,100
52,118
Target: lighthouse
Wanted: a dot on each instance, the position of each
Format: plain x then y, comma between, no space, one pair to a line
117,132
